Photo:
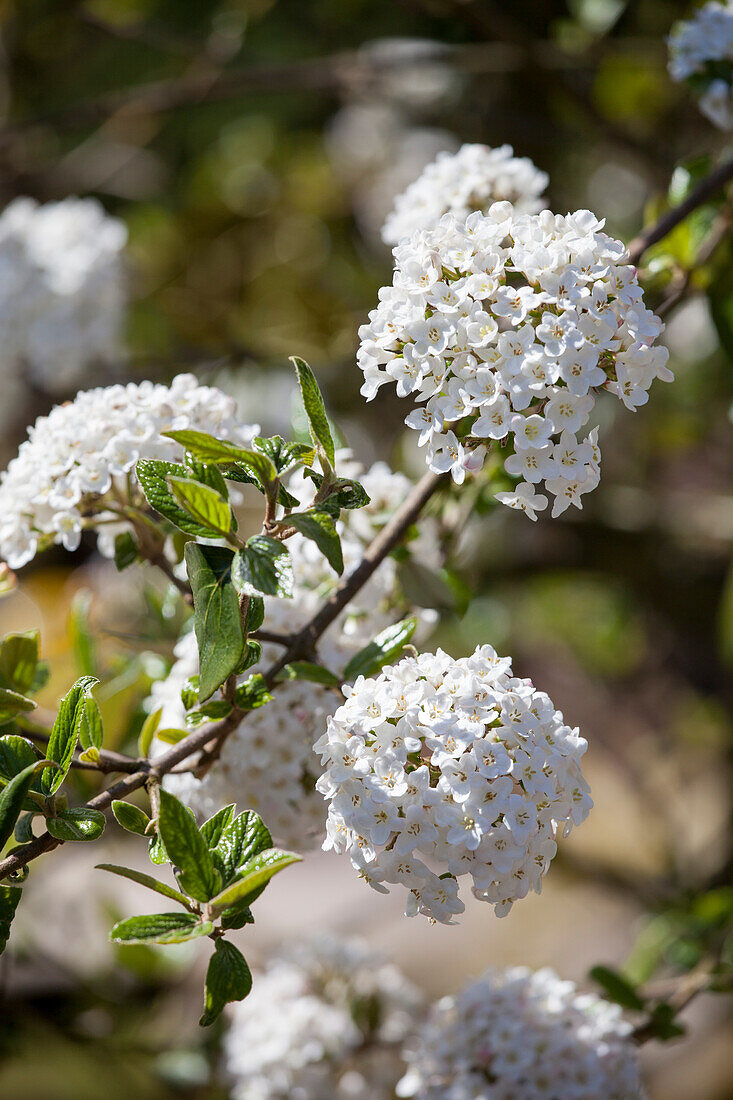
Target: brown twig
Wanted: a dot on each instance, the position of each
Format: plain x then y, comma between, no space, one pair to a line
699,195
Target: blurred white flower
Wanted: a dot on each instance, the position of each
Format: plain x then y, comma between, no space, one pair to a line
701,53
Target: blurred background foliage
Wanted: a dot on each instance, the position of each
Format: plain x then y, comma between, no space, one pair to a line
253,148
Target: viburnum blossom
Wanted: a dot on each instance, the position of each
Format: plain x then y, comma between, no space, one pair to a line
501,329
268,763
701,53
326,1020
78,462
459,183
441,768
62,292
516,1035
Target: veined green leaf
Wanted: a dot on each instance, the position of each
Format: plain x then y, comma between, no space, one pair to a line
78,824
263,568
152,475
217,618
209,449
187,848
306,670
146,880
12,703
130,817
315,410
16,753
212,829
91,731
147,733
65,732
242,839
228,978
162,928
253,693
381,651
284,455
12,799
253,875
321,529
203,504
126,552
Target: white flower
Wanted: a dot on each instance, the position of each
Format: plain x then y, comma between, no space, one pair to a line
61,479
500,326
514,1034
459,183
62,290
455,750
701,53
268,763
325,1021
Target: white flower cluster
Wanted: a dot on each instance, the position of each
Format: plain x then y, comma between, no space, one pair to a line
268,763
62,290
456,765
459,183
701,53
513,322
326,1021
66,472
518,1035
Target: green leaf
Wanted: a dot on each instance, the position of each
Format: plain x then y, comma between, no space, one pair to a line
152,475
263,568
190,692
146,880
147,732
253,875
203,504
24,829
236,917
208,474
382,650
228,978
130,817
617,988
662,1022
209,449
125,550
12,703
213,711
91,731
156,851
255,614
251,655
306,670
65,732
244,838
213,829
343,493
173,736
18,660
9,898
160,928
187,848
321,529
217,618
283,455
12,798
77,824
16,753
315,410
253,693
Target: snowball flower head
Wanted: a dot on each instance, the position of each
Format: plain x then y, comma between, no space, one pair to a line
440,769
268,763
502,328
63,293
78,462
459,183
701,53
324,1022
515,1034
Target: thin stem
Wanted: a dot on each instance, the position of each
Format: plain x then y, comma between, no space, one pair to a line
699,195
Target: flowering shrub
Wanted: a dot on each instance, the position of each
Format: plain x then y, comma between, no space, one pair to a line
455,763
514,1034
268,763
701,53
460,183
325,1020
63,294
77,468
502,328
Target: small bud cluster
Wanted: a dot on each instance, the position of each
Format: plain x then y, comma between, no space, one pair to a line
455,765
501,329
516,1035
62,293
701,53
326,1021
459,183
77,464
268,763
